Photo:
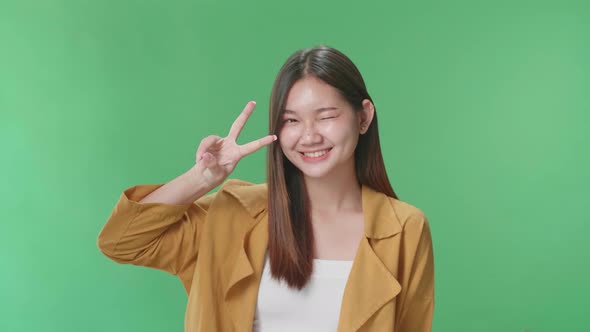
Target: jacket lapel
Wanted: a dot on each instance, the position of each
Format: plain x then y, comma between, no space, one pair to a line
244,270
370,284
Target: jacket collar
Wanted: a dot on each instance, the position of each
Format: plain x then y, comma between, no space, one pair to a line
381,221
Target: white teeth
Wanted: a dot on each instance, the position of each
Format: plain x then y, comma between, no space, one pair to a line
315,154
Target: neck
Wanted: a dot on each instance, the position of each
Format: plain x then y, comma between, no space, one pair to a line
334,193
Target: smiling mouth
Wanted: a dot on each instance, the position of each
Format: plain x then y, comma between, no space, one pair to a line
316,154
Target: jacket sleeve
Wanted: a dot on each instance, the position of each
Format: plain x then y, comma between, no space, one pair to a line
417,297
157,235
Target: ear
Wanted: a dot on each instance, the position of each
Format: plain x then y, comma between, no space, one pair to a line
366,116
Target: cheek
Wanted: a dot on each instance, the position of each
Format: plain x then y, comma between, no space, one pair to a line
339,131
287,137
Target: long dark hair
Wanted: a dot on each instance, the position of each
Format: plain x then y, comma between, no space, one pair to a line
290,231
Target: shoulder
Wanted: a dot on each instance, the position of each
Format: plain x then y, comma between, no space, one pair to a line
243,189
233,184
409,216
386,216
251,196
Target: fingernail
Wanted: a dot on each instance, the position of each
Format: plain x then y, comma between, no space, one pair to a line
253,102
275,137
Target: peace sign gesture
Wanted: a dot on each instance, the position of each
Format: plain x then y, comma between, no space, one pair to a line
218,156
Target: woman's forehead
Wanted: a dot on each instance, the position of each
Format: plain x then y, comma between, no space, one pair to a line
312,95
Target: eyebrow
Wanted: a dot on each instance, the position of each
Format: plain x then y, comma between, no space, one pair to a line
319,110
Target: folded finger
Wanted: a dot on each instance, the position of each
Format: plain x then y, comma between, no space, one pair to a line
205,144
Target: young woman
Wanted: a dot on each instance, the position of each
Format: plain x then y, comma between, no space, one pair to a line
325,245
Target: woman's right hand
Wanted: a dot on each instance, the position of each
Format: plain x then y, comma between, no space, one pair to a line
217,157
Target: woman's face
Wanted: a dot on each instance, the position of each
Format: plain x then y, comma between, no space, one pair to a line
320,130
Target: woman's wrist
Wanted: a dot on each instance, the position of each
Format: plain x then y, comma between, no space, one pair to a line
197,183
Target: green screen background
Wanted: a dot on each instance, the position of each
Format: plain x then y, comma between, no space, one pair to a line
484,113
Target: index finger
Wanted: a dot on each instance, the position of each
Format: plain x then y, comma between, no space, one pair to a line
254,146
238,125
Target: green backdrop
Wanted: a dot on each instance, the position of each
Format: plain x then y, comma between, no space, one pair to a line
484,112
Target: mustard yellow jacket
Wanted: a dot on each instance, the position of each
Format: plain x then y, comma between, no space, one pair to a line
216,246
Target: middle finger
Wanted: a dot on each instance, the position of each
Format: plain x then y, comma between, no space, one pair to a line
239,123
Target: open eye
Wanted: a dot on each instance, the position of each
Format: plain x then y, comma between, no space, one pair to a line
290,120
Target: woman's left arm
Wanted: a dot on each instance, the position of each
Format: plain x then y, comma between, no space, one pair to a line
416,306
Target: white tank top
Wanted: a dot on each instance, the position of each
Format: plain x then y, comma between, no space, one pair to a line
316,308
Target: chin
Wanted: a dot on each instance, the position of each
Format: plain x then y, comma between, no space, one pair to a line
313,172
314,175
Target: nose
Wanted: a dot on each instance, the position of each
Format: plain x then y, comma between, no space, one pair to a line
310,135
